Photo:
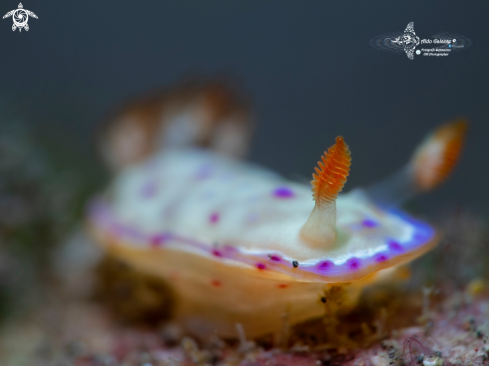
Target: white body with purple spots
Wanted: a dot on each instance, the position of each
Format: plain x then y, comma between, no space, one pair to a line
226,235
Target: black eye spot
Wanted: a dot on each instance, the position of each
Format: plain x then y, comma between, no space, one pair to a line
323,300
295,264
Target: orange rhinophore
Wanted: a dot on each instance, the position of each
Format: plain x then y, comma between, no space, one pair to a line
329,179
331,173
437,156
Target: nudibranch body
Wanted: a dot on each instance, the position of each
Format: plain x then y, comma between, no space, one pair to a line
239,244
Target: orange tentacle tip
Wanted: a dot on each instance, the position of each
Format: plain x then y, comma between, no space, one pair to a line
438,155
331,173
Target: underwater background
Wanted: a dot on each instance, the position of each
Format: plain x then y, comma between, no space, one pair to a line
311,74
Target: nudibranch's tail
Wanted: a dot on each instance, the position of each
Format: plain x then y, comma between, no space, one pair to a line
431,164
328,181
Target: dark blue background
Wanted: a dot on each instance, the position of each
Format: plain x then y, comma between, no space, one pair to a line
307,66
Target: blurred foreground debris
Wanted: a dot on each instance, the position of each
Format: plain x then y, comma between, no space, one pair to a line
39,205
462,255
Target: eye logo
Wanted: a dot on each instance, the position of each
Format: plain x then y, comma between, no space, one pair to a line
20,17
441,44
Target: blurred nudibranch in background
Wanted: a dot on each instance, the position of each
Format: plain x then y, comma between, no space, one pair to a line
209,114
237,243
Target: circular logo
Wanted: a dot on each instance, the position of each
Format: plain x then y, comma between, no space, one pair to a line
418,52
20,18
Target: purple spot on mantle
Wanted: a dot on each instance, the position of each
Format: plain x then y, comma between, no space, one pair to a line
275,258
260,266
353,263
217,253
381,258
369,223
159,239
204,172
214,218
325,265
283,192
149,189
394,245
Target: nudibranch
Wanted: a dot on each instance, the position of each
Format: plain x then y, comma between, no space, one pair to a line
209,114
240,244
